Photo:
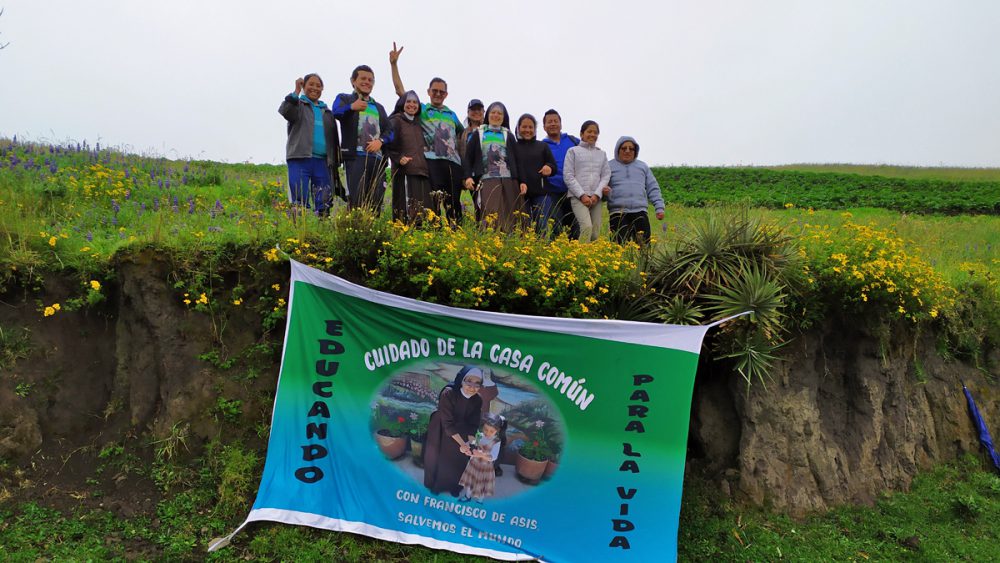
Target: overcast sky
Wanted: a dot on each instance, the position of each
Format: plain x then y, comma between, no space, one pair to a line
908,82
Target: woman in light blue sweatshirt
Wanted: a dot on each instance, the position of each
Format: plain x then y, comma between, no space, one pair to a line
633,187
586,173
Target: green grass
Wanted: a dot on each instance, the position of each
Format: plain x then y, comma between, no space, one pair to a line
907,172
762,187
950,514
949,243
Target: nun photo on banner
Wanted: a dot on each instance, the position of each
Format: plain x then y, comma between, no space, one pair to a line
452,425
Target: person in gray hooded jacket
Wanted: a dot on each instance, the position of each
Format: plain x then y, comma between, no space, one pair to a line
631,189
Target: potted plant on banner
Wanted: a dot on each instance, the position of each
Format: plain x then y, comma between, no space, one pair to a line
533,455
416,430
389,434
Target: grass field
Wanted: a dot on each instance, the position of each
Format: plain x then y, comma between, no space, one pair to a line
72,209
906,172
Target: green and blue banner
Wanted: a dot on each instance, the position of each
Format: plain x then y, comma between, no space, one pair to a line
592,454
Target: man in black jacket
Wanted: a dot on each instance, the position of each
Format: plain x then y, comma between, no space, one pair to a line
364,129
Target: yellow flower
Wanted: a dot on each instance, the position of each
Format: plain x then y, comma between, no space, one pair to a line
49,311
95,285
85,249
52,241
56,306
521,291
281,302
237,301
203,299
276,287
187,301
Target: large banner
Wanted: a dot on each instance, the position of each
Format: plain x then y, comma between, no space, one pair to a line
509,436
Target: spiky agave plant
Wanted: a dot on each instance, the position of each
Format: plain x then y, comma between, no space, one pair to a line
729,263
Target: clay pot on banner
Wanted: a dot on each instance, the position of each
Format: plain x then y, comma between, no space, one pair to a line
392,446
529,470
417,451
550,468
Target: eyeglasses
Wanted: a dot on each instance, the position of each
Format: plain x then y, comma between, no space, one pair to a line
476,384
628,148
437,92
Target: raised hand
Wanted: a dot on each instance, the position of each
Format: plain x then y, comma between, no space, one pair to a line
299,83
394,54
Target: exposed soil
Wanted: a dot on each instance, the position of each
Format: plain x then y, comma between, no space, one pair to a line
841,422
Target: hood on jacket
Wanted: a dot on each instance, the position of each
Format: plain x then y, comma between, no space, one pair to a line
402,101
622,140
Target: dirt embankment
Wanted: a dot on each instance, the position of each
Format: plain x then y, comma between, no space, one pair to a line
843,420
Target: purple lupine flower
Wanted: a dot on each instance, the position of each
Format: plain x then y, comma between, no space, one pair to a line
152,174
190,205
90,236
115,206
168,183
128,195
156,204
142,208
184,179
114,220
160,184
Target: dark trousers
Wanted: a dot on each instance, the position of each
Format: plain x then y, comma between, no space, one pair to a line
366,182
626,226
410,196
309,183
447,177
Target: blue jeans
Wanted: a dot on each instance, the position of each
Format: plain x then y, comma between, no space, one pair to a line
541,209
309,183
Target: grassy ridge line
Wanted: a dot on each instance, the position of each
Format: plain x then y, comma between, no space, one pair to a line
893,171
826,190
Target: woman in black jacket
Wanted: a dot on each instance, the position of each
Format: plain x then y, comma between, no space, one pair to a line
535,160
491,165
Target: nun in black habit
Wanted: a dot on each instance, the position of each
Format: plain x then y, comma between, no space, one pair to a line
446,451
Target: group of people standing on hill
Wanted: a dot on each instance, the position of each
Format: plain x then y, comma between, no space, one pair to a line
515,179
